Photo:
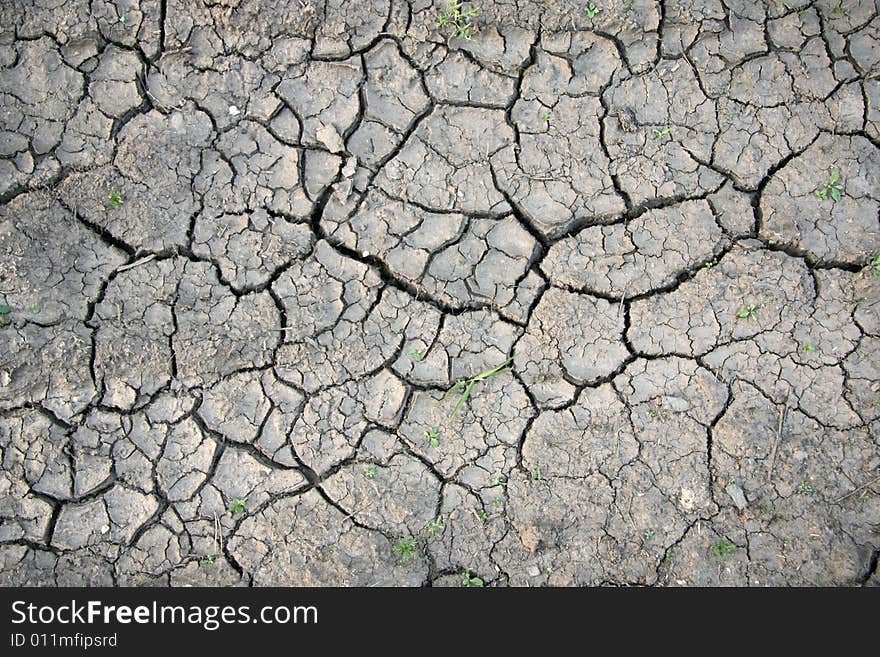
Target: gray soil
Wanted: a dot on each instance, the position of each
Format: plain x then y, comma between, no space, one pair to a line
247,247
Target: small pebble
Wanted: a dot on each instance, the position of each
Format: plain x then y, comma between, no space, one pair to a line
737,495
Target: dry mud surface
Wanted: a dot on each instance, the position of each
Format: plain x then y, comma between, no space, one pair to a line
246,248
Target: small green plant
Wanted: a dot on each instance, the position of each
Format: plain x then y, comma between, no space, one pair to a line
459,19
236,506
470,580
748,312
592,10
209,560
370,471
436,525
500,479
840,9
874,265
832,188
482,515
549,569
809,348
660,134
405,549
416,355
466,386
537,474
433,436
546,116
649,534
710,263
805,488
498,501
30,310
114,199
723,548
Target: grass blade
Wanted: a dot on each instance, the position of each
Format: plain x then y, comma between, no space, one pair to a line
463,398
495,371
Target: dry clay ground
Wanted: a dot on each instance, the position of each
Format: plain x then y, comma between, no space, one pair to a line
247,247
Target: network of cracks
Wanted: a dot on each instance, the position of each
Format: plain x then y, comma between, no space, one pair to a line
318,293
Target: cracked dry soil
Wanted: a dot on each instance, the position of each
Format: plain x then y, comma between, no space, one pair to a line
246,247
